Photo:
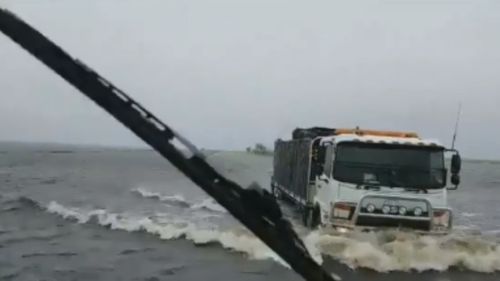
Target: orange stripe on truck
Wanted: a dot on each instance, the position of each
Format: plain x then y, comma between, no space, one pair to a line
362,132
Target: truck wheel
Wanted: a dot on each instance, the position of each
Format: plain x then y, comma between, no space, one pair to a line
305,216
311,217
316,217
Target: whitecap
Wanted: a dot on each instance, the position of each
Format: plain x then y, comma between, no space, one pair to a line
386,251
383,251
209,204
176,198
238,240
469,215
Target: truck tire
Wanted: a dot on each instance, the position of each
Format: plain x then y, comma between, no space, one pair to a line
311,217
316,217
305,216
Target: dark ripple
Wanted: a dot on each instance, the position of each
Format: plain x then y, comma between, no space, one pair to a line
172,270
32,237
62,151
10,208
49,181
133,251
23,201
61,254
19,203
9,276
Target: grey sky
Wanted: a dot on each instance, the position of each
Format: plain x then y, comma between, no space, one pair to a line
231,73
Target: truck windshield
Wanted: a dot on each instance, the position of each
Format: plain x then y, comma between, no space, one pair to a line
390,165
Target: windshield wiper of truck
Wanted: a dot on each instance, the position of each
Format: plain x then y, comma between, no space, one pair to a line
266,221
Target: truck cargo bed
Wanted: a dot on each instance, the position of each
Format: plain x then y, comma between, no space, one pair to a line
292,160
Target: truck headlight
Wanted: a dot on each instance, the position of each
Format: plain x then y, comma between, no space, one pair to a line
441,218
418,211
370,208
343,210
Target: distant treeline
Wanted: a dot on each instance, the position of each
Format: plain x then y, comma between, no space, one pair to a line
260,149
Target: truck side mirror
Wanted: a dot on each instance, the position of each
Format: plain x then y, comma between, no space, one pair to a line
324,178
456,164
455,179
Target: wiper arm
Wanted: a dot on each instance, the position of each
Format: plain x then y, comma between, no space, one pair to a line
265,221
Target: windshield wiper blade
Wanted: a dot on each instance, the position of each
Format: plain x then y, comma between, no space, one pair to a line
265,221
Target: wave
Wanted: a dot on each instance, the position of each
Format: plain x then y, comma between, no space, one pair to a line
16,203
387,251
176,199
238,240
382,251
470,215
492,232
207,204
210,205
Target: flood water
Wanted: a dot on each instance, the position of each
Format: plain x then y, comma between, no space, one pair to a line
71,213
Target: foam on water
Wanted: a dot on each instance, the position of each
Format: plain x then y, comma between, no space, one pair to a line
209,204
177,198
239,240
469,215
206,204
403,251
382,251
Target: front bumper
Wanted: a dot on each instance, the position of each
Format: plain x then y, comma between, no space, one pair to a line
429,221
345,228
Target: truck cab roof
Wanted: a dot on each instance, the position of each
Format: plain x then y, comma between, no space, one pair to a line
338,135
380,139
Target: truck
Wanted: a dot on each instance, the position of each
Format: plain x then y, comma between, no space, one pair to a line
366,179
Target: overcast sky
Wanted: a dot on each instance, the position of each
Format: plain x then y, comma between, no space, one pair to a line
231,73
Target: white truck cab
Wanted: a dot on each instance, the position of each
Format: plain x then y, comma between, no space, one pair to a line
352,178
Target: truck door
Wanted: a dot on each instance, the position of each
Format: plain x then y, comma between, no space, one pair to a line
325,185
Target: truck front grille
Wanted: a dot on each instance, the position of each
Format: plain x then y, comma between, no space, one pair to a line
374,221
